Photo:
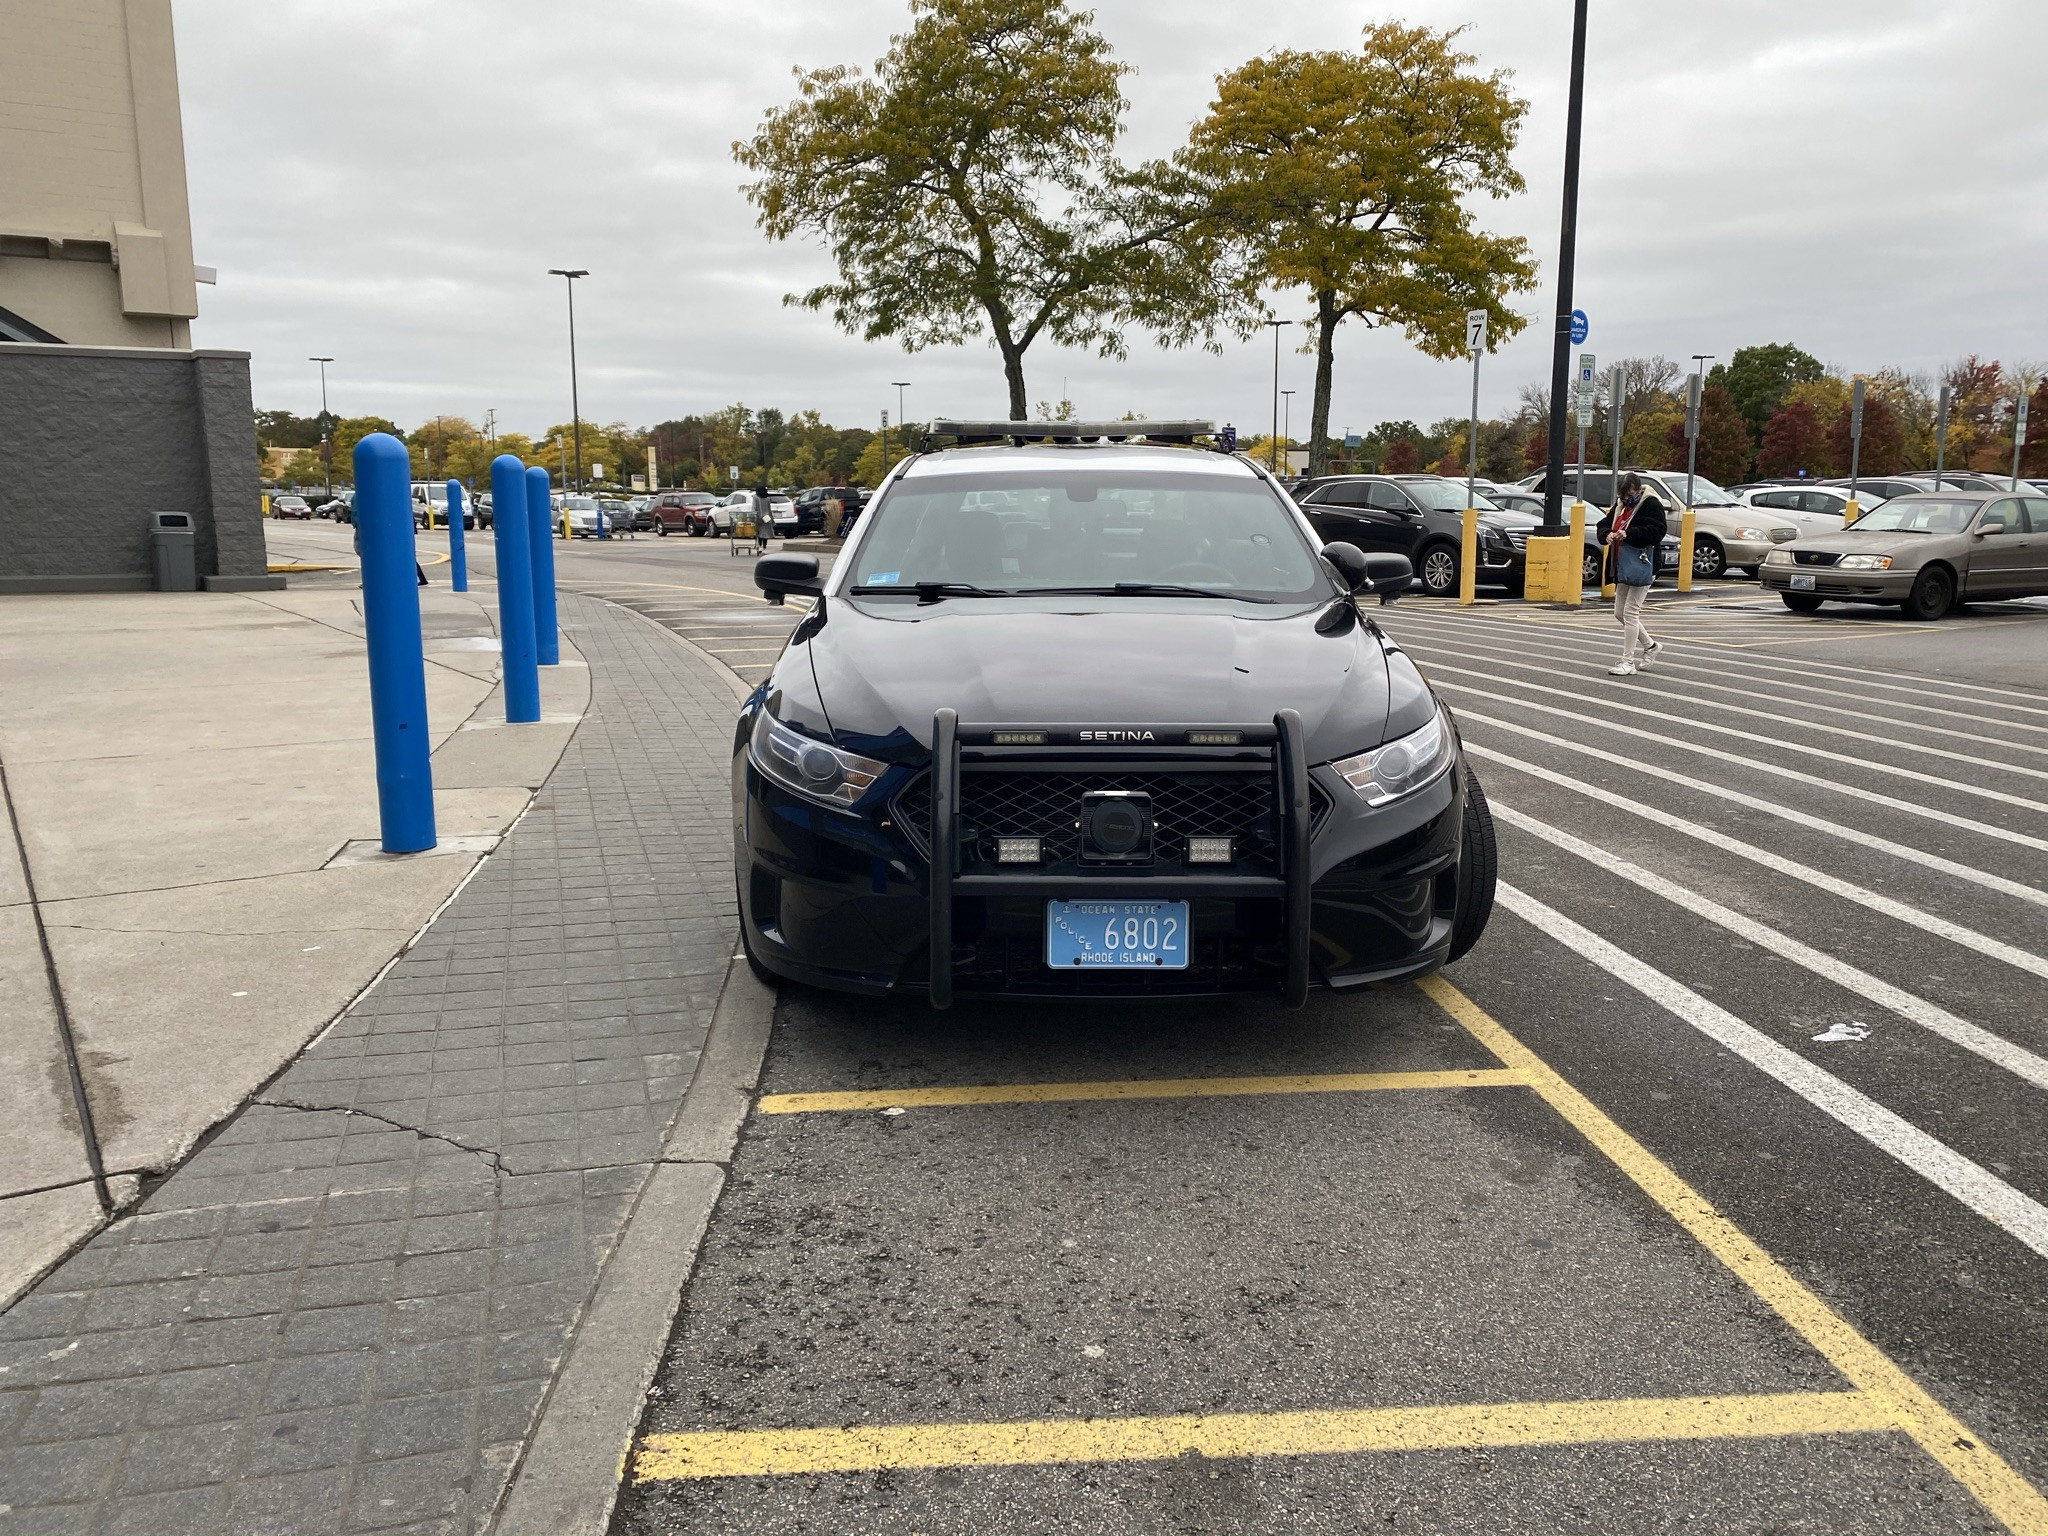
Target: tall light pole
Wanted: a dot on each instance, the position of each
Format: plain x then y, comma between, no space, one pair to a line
900,385
1287,419
1273,458
575,405
1567,258
326,428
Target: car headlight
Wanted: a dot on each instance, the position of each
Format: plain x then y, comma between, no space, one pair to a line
1778,557
810,767
1864,563
1751,533
1403,765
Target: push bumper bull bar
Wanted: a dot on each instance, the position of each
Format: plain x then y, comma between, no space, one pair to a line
1292,886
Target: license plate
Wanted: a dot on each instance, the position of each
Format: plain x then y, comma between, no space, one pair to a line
1151,935
1802,583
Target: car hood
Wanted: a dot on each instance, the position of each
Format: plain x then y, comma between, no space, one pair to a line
882,671
1872,541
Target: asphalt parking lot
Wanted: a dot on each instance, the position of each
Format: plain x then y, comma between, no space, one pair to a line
1705,1194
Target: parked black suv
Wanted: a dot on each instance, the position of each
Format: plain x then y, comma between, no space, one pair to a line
1420,516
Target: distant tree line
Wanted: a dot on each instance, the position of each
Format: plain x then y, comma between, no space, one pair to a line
1770,411
691,452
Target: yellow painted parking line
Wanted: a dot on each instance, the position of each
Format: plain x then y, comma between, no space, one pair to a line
1461,1426
1995,1485
1136,1088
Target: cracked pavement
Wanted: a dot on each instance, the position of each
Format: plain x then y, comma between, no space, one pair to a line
343,1311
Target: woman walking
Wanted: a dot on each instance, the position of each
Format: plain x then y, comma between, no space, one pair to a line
1632,545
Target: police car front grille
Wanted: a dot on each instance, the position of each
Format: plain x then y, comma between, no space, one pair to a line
1010,802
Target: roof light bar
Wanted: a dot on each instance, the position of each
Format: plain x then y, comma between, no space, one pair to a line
968,432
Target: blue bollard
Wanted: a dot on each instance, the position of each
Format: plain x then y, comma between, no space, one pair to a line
547,637
515,590
391,622
458,564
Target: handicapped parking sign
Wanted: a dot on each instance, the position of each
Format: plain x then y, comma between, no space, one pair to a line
1580,326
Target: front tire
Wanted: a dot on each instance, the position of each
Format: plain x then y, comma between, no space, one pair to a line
1589,567
1802,602
1709,560
1439,571
1933,594
1478,871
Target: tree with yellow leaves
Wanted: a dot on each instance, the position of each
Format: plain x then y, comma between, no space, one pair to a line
1345,175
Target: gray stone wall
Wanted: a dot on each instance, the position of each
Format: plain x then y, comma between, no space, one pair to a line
95,439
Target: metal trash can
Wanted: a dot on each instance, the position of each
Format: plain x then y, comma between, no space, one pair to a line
171,552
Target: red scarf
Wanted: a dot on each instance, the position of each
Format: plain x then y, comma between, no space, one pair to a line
1623,518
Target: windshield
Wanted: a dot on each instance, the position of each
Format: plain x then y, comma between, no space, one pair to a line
580,503
1704,492
1035,532
1918,514
1446,495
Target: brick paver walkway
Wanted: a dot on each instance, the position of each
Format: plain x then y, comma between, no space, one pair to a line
341,1314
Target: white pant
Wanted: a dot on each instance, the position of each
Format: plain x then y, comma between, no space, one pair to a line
1628,613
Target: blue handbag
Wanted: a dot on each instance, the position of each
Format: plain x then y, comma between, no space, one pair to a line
1634,567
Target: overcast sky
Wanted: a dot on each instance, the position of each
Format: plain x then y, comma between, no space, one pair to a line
388,181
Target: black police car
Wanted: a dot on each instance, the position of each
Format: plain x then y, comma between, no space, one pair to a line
1098,718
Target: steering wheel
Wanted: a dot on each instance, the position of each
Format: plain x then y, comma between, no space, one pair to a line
1190,570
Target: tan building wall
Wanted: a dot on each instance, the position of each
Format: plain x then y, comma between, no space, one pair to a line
95,230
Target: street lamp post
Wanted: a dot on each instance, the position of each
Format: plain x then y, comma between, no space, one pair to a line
899,385
326,427
575,405
1287,419
1567,255
1273,458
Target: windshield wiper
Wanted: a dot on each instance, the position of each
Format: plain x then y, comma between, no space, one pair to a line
932,591
1145,589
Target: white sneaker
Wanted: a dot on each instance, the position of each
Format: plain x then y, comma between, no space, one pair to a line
1626,669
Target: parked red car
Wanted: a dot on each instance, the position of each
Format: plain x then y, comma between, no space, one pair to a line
682,511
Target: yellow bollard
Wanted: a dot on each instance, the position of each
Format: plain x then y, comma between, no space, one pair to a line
1468,559
1850,511
1685,528
1577,591
1606,574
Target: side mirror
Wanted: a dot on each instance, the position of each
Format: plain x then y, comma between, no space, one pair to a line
1349,561
776,575
1388,575
1990,528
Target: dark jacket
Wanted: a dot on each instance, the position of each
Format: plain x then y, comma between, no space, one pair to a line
1645,530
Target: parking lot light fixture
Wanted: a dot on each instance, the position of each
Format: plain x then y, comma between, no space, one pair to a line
1948,395
1567,254
1273,457
575,405
326,427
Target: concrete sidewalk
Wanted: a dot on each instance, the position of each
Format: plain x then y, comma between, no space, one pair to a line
192,780
345,1312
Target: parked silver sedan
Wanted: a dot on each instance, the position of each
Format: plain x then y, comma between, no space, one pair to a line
1926,553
